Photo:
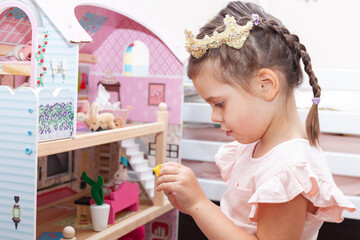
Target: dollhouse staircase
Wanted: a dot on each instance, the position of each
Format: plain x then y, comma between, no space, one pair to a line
105,161
140,166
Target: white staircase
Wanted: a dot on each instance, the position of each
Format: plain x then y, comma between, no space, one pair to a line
141,166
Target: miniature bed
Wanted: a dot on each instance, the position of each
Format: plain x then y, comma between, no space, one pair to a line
340,138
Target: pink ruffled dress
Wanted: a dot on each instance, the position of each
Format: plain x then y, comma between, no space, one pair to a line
291,168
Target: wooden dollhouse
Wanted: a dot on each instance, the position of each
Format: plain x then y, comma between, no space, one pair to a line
51,55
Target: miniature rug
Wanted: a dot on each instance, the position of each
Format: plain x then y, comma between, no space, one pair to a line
84,223
51,236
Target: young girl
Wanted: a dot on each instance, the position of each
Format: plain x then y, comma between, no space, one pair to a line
246,64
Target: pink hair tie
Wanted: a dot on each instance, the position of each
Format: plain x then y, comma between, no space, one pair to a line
316,100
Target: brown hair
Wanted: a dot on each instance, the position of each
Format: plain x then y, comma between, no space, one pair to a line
269,45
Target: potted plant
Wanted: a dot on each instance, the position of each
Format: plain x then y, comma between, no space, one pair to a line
100,210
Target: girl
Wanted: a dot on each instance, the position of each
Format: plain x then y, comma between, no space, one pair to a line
246,64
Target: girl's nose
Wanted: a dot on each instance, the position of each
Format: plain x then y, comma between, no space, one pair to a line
216,116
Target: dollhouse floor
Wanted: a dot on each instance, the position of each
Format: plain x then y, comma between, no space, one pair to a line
54,195
55,218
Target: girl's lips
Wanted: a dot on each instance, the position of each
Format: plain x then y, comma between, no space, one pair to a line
228,133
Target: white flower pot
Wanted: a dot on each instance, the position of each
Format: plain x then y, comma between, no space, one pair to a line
99,216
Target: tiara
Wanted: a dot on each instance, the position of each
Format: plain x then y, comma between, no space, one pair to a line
234,36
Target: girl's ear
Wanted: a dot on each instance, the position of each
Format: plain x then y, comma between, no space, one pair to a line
267,83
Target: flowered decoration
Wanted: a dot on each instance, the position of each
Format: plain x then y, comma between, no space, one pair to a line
56,117
40,58
17,13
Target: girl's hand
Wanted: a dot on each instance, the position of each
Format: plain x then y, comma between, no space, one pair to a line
180,185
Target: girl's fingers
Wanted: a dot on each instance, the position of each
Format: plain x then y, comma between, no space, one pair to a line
167,193
166,178
165,186
169,170
175,164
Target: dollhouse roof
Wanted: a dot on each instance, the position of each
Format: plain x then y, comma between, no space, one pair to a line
69,26
62,15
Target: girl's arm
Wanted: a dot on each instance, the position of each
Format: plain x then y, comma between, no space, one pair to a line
275,221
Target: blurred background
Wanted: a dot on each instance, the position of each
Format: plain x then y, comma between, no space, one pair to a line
328,28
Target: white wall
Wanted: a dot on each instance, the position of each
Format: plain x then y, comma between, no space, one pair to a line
328,28
176,15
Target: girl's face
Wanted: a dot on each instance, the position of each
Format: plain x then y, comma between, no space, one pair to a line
242,115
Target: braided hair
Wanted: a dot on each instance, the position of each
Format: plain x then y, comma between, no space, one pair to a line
269,45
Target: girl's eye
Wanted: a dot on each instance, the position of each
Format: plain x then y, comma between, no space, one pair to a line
218,104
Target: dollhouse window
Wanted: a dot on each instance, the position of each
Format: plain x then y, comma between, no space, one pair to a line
15,47
15,27
59,164
172,150
136,60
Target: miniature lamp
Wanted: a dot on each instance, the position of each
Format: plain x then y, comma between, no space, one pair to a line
16,212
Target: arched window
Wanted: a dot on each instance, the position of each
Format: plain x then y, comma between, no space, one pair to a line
136,60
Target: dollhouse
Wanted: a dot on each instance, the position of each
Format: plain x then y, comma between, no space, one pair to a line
54,54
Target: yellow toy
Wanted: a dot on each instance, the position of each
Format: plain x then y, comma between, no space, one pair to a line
157,169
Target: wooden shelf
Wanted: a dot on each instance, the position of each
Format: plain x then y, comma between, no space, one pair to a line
4,49
47,219
87,58
84,140
22,68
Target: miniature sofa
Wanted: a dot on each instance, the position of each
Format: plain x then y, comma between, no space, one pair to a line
126,197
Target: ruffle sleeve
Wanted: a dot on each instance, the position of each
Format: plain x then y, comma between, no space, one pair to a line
300,179
225,159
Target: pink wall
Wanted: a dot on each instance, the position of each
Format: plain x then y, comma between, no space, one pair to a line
111,52
134,92
113,21
164,68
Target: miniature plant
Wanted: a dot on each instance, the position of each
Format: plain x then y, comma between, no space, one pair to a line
96,188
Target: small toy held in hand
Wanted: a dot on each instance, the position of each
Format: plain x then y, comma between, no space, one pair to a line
119,177
157,169
97,122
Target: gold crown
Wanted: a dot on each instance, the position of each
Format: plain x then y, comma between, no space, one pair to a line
234,36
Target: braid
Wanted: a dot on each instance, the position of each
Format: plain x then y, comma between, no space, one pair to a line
293,42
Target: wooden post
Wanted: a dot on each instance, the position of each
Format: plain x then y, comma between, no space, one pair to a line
160,141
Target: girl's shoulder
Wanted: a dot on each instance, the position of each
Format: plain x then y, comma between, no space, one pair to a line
291,151
295,167
295,152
